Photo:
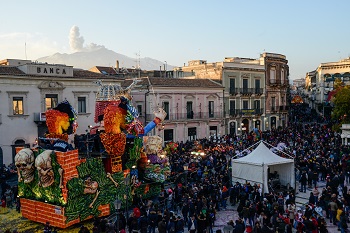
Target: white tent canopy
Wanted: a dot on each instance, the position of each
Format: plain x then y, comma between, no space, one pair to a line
254,167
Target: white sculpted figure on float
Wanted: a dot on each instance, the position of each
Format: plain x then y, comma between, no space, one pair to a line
43,164
24,162
152,144
161,114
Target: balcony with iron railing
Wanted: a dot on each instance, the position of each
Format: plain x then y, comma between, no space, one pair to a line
284,108
273,109
279,108
234,91
188,116
277,83
245,112
258,91
246,91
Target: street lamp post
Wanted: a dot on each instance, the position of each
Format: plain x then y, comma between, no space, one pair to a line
186,171
117,204
127,185
87,143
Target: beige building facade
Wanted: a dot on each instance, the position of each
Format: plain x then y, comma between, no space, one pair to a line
28,89
320,82
256,90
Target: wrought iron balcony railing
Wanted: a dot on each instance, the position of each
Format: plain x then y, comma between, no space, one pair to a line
189,116
244,112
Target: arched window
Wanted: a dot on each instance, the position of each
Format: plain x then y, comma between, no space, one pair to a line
282,76
273,75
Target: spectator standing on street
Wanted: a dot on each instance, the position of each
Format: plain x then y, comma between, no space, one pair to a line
143,223
303,181
180,225
224,197
333,207
162,226
8,196
152,221
192,224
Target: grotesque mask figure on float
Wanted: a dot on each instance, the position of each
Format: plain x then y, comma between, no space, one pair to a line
24,162
43,164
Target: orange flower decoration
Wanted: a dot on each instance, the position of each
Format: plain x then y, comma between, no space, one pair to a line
114,118
146,188
57,122
114,143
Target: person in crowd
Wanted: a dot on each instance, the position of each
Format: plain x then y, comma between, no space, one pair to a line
8,197
152,220
180,225
143,223
317,152
192,224
333,207
162,226
303,181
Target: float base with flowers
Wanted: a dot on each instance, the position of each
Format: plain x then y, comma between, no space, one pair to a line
56,185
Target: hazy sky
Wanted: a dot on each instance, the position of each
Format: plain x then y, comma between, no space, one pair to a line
308,32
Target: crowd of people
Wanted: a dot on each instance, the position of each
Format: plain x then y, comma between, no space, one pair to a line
193,199
192,203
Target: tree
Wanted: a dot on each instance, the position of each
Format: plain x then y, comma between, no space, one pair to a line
338,83
341,111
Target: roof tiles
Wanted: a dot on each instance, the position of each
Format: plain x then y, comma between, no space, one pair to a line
176,82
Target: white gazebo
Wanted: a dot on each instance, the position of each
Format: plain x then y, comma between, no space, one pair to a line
254,167
345,134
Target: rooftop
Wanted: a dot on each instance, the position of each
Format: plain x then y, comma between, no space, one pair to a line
175,82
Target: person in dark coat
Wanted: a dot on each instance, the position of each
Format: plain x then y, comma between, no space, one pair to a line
143,223
133,225
185,210
239,228
303,181
121,222
201,223
152,221
162,226
171,225
180,225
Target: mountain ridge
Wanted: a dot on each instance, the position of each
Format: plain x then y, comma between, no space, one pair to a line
102,57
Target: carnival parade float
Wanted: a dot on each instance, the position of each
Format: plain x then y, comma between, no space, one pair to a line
58,185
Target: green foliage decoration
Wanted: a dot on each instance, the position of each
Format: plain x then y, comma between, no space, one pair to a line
134,152
154,190
78,203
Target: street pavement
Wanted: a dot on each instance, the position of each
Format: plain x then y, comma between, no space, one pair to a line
224,216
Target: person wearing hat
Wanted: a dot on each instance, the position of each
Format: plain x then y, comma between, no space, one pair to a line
224,196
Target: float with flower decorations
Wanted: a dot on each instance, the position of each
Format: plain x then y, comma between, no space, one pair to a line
58,185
